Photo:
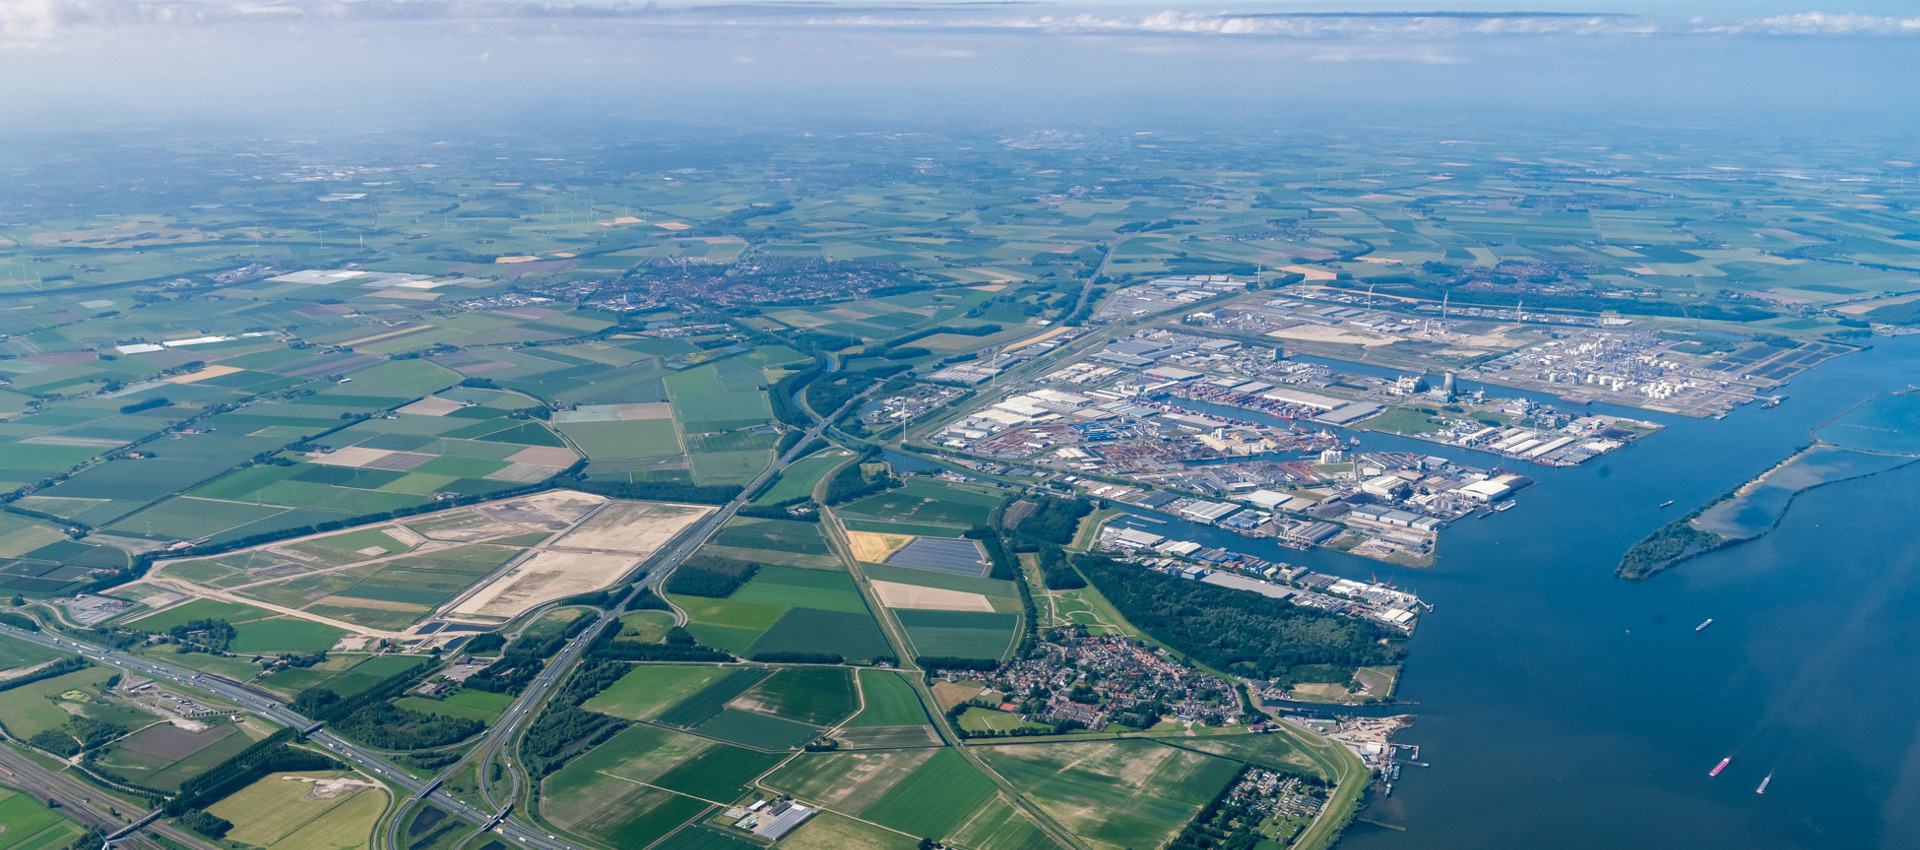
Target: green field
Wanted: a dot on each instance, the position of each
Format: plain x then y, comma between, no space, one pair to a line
850,635
1277,752
816,695
710,700
652,689
718,773
200,609
277,812
163,755
638,754
19,653
849,782
1131,793
759,731
959,634
889,700
483,706
35,707
645,626
798,479
935,799
779,535
285,634
999,826
30,825
801,588
926,502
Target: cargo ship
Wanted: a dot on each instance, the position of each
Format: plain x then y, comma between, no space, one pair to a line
1703,626
1721,766
1667,504
1763,784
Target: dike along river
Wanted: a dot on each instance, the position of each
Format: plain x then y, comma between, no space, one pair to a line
1562,707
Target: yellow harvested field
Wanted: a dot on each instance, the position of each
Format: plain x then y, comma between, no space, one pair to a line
632,528
897,595
354,456
432,406
526,258
673,225
203,374
949,694
544,456
625,219
1310,273
541,579
320,811
875,547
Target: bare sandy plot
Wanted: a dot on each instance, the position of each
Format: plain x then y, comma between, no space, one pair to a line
1322,333
897,595
875,547
432,406
361,458
633,528
1033,339
525,473
543,578
203,374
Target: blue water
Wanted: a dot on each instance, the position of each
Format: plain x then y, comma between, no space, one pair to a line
1561,707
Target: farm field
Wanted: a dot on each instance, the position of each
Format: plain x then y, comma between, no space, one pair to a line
162,756
33,826
846,782
49,704
652,689
925,503
303,811
828,831
788,610
959,634
888,700
935,799
1116,794
798,479
818,696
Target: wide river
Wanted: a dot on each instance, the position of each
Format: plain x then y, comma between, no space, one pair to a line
1563,708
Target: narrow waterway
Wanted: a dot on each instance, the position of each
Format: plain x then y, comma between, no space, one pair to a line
1561,707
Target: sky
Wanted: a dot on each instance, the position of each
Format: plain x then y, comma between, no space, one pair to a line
378,63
